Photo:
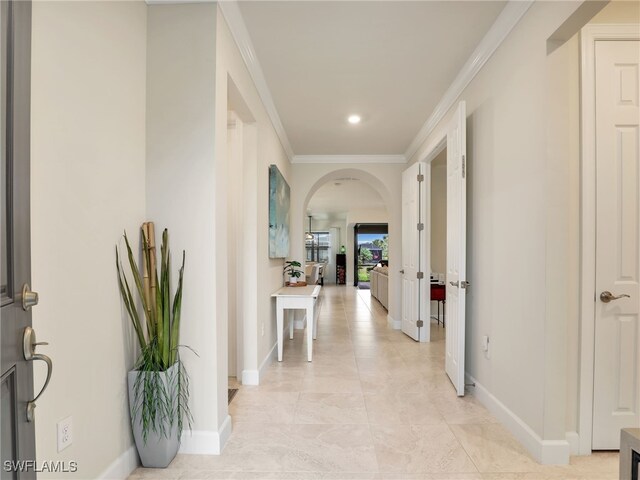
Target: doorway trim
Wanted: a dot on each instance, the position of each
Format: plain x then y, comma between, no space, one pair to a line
589,35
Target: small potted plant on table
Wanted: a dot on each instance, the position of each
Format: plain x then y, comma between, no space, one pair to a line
290,269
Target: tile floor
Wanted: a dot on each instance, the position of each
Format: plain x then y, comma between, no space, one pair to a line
373,404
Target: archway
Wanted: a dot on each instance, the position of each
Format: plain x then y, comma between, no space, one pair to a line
337,207
384,179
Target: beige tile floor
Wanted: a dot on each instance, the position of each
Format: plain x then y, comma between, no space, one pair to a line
373,404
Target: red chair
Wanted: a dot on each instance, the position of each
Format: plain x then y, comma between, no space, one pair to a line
439,294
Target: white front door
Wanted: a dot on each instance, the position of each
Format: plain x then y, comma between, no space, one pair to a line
456,247
616,393
415,316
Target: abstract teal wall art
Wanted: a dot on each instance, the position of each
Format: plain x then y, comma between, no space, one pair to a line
279,199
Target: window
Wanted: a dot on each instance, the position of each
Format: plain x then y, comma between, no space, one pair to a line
319,249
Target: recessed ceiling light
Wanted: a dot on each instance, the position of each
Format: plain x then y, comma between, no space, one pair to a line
354,119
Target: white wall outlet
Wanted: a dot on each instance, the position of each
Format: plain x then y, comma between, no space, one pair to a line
65,433
485,345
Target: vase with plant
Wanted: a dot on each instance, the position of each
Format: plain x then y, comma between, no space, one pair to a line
290,269
159,384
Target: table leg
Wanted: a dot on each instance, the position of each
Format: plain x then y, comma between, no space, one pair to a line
280,329
291,315
315,325
310,322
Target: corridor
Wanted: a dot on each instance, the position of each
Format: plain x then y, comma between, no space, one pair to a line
373,404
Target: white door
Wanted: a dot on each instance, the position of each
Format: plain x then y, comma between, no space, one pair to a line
415,317
616,394
456,247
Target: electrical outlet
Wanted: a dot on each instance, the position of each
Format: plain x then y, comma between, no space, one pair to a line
485,345
65,433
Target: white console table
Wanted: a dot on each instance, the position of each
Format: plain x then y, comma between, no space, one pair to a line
294,298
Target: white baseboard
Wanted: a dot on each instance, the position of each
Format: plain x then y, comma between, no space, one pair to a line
546,452
395,324
225,432
123,466
268,360
574,442
252,377
206,442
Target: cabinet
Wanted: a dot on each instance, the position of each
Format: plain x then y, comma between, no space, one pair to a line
341,268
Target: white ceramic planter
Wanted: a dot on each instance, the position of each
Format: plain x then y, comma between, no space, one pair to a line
159,450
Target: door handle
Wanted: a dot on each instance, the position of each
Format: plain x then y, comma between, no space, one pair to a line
461,284
29,345
606,296
455,284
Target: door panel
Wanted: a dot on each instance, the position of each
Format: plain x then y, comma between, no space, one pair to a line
456,248
616,399
414,296
18,435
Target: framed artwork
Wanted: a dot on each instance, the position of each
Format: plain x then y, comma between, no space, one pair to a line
279,200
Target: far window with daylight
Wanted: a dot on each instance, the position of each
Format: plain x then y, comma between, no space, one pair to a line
318,248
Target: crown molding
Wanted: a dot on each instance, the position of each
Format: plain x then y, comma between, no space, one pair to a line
511,14
176,2
349,159
233,16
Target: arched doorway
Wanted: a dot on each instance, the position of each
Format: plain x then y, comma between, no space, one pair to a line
385,179
334,211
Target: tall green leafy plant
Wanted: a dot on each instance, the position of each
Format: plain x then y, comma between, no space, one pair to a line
161,394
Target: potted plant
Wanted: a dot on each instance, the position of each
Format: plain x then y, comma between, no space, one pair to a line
159,384
291,271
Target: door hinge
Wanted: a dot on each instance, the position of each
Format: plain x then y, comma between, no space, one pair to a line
420,227
420,177
419,323
420,275
464,165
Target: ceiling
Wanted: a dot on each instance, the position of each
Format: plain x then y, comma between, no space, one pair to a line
388,61
335,198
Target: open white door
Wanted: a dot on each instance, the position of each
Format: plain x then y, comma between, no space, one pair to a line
456,247
414,292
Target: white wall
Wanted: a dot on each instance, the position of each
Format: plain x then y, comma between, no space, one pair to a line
619,11
262,275
184,194
386,179
512,189
87,186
